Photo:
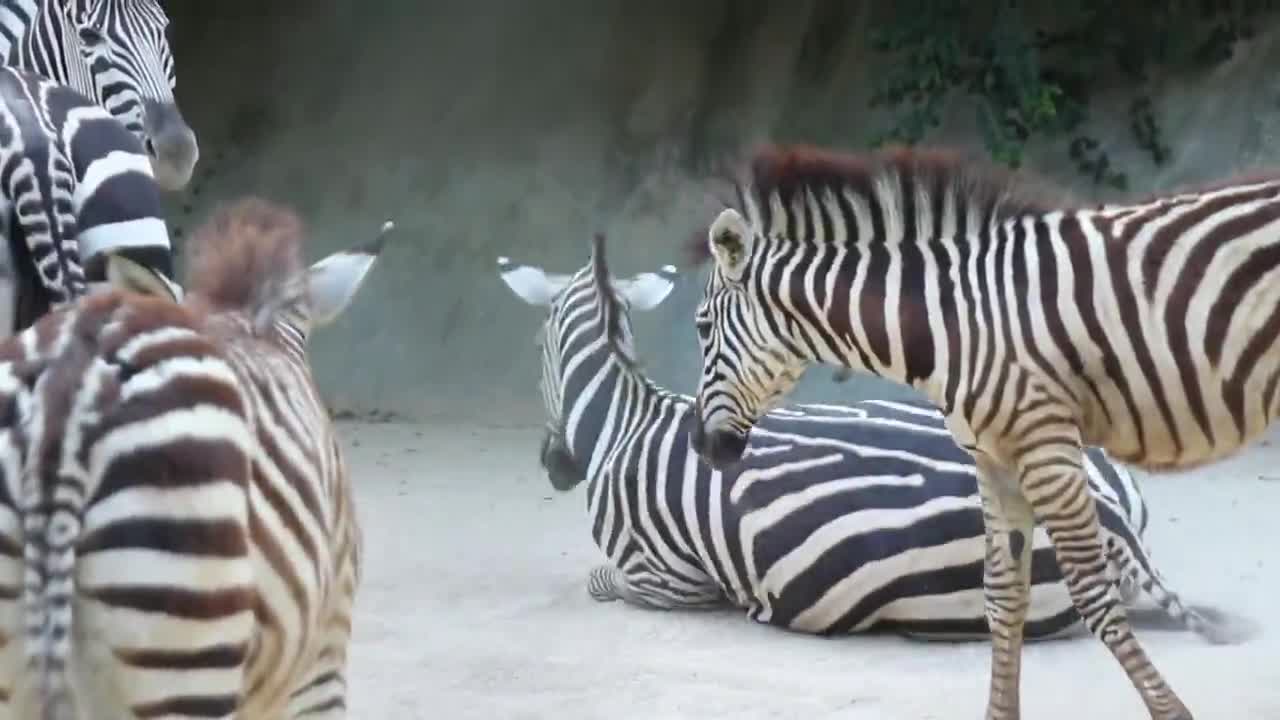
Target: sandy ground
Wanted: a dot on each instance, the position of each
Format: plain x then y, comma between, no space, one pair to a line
474,606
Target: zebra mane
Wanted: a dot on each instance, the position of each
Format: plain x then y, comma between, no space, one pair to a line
788,171
612,314
246,254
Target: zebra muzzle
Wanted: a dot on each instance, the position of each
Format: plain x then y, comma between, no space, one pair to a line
171,144
562,470
719,449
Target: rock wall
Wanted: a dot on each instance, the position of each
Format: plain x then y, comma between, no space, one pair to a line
489,128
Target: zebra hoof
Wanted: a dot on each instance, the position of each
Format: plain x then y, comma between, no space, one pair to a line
601,585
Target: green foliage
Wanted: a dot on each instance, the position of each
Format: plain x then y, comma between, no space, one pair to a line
1029,71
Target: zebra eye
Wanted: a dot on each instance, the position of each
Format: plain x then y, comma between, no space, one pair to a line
704,328
90,36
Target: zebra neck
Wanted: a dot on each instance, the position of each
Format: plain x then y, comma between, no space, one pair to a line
876,320
599,398
17,18
29,29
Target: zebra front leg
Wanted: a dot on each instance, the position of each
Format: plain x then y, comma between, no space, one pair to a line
1006,581
605,583
1052,478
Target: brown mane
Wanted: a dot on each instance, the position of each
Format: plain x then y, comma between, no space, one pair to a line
790,169
245,254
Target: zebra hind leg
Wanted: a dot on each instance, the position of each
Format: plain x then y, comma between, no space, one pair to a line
1006,581
1053,480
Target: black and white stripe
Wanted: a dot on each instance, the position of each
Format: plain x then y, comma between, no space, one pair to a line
115,52
1038,327
177,533
75,186
842,518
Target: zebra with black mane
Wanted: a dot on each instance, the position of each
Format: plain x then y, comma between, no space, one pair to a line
75,188
1037,326
116,53
840,519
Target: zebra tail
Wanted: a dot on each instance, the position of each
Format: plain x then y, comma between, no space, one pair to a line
1212,624
48,591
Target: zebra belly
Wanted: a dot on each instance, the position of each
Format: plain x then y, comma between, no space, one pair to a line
931,589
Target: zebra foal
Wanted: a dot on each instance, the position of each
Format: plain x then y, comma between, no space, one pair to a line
844,518
177,535
1149,329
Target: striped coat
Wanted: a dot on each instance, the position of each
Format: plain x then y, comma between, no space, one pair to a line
177,534
75,186
1038,326
842,518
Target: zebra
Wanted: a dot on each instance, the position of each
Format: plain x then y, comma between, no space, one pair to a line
844,519
1037,326
75,187
177,530
114,52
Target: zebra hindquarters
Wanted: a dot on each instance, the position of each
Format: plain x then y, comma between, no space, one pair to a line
164,603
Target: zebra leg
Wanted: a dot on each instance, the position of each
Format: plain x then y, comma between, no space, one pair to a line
1006,581
1052,477
605,583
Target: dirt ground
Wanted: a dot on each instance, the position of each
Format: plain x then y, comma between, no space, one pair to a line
473,606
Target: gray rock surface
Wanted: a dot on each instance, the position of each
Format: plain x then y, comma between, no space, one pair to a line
491,128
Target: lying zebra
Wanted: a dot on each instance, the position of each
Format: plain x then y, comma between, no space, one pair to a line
841,518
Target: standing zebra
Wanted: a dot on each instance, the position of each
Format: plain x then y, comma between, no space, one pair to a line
177,535
844,518
74,186
116,53
1148,329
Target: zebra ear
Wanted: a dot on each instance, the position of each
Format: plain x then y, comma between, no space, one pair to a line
647,290
531,284
332,283
730,238
126,274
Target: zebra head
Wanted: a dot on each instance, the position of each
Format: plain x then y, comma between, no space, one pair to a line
247,266
749,360
129,66
586,306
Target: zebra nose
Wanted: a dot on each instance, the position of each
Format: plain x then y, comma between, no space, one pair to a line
171,143
722,449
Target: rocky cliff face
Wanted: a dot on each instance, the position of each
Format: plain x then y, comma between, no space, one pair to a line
490,128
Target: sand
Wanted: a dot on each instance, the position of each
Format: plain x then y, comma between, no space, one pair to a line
473,606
